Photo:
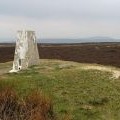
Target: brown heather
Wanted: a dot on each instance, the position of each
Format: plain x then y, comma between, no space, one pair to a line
33,107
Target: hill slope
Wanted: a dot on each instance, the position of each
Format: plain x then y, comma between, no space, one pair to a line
82,91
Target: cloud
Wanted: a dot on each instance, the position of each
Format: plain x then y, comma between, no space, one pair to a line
61,8
61,18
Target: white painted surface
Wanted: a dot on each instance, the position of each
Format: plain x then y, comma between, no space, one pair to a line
26,50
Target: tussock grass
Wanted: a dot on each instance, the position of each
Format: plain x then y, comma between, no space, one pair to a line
33,107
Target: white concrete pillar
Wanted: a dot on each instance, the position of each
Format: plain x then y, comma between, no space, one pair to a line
26,51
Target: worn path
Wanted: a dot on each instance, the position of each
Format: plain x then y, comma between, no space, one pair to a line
5,67
114,71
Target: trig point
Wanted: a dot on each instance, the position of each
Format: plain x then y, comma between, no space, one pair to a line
26,51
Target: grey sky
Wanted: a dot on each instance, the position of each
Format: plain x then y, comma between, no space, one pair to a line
61,18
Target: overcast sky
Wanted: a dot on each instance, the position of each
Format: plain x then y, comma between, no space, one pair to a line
60,18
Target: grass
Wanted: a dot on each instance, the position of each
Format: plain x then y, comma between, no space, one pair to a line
35,106
77,94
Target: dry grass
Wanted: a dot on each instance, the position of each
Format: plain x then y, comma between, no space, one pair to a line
33,107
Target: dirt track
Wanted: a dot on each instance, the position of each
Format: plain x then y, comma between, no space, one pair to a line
105,54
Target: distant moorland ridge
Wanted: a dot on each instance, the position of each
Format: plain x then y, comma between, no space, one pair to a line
104,53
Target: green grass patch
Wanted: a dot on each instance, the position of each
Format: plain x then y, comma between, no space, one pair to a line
81,94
